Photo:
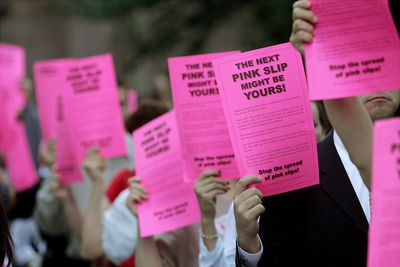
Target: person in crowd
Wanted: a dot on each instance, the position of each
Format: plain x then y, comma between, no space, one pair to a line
6,244
217,246
217,249
58,216
326,224
177,248
321,122
123,98
27,241
95,244
29,116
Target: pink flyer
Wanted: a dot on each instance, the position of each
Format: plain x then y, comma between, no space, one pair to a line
265,99
203,130
12,64
67,166
355,50
172,203
48,85
384,232
92,109
18,159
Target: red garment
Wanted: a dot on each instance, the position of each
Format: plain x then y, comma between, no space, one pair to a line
118,184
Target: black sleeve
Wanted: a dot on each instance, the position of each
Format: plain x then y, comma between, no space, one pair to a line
277,233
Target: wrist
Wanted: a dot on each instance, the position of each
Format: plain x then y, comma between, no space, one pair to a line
250,244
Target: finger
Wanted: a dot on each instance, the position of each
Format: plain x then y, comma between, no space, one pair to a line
302,25
209,187
138,195
134,179
212,180
208,173
302,36
138,187
249,203
214,193
244,182
203,191
249,193
255,212
304,14
302,4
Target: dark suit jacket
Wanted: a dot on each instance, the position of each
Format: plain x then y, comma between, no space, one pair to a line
322,225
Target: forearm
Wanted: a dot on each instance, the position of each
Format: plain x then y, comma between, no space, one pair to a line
74,215
351,121
91,230
147,253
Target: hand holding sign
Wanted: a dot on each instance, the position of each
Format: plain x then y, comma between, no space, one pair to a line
137,193
94,164
248,207
207,188
303,24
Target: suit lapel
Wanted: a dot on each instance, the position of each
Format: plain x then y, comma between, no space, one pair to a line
334,180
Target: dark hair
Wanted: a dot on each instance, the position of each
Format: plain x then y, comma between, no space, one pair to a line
147,111
6,245
394,8
121,83
323,117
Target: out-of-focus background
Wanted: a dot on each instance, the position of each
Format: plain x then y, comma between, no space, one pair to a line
141,34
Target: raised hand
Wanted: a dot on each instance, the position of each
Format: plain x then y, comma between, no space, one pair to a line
248,207
303,24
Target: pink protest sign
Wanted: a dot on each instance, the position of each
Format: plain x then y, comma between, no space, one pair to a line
18,159
14,141
133,100
12,64
66,164
384,232
48,84
92,109
265,99
203,131
3,129
355,50
172,203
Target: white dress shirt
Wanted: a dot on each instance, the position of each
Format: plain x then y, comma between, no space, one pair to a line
361,190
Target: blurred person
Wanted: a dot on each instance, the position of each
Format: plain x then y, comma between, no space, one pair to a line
58,217
6,244
28,244
338,210
161,90
321,122
217,247
93,245
123,98
29,116
112,165
7,191
177,248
